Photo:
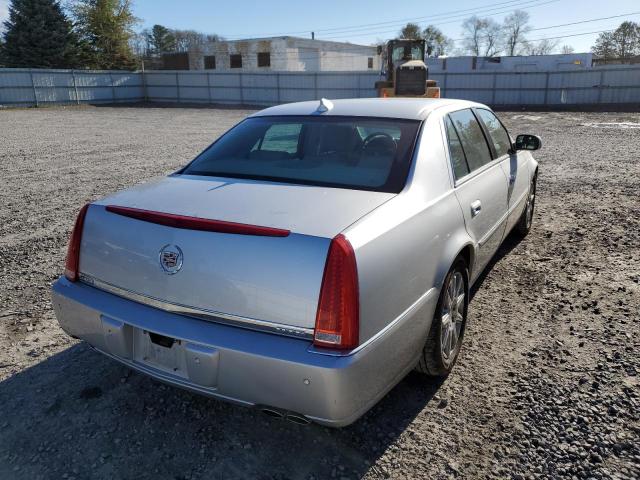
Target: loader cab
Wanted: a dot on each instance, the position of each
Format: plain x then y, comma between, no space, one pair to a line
405,71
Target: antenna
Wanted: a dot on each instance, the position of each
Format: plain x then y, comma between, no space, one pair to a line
325,105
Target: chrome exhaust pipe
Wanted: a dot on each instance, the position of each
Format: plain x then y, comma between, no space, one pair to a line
272,412
298,419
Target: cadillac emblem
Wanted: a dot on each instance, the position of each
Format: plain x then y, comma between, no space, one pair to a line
171,259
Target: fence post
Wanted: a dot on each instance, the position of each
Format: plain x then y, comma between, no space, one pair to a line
75,86
444,84
493,89
33,86
113,88
209,87
315,85
145,95
178,87
546,89
601,86
278,88
241,88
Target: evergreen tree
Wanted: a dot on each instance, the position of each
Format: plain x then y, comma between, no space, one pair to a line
38,35
106,28
161,40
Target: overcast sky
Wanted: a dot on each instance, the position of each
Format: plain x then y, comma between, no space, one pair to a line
373,20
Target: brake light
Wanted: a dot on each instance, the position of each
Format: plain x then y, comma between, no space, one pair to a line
196,223
73,251
338,315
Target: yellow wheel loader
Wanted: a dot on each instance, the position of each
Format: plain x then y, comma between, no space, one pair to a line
407,74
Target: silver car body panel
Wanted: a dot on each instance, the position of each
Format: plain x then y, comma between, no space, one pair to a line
404,246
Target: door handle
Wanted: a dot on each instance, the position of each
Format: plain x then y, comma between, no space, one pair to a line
476,207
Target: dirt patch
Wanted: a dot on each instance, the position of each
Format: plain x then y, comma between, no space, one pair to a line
547,385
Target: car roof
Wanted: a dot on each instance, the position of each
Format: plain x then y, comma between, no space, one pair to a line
406,108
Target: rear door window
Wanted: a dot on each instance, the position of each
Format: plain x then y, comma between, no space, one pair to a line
497,133
458,159
472,138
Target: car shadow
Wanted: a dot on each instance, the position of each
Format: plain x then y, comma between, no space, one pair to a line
81,414
510,242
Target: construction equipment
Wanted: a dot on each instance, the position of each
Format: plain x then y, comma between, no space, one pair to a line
407,74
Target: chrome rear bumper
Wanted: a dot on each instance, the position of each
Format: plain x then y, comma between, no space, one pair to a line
244,366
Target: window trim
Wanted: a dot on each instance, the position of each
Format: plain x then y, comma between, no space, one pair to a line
477,171
466,162
485,129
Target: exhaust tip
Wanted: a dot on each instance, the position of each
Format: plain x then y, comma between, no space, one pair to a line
271,412
298,419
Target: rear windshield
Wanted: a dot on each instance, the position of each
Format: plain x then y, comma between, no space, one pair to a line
346,152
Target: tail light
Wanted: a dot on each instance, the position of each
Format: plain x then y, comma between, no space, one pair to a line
338,316
73,251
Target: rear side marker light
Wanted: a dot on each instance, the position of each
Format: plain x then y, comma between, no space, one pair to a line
338,315
196,223
72,265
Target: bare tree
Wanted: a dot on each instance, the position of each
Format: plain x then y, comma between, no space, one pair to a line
567,49
515,27
541,47
472,29
482,36
494,38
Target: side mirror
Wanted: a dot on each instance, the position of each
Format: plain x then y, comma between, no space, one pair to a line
528,142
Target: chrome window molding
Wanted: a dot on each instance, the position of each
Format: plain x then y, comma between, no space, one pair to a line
200,313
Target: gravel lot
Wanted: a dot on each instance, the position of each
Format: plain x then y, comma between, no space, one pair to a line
547,384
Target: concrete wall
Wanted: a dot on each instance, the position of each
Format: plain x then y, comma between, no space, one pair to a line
291,54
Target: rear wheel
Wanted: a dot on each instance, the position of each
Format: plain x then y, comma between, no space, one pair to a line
524,224
447,329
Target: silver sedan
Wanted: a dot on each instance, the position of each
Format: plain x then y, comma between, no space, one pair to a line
308,259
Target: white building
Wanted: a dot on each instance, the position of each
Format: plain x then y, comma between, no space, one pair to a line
529,63
291,54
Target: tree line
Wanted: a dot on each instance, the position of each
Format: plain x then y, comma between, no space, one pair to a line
484,37
93,34
100,34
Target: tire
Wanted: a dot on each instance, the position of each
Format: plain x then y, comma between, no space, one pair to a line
439,356
523,227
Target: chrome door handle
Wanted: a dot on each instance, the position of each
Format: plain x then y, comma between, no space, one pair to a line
476,207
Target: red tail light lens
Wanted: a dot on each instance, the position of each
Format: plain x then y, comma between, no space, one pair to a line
73,251
338,316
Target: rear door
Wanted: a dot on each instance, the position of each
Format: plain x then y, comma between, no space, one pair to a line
514,165
480,183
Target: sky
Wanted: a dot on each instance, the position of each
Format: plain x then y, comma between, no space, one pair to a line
375,20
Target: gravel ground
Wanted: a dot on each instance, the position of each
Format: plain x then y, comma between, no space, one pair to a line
546,386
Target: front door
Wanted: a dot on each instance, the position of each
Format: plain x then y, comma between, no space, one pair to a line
514,164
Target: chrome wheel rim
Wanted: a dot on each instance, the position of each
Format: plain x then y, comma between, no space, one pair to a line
452,317
531,201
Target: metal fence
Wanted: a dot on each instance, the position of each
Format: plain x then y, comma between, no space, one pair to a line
596,86
601,85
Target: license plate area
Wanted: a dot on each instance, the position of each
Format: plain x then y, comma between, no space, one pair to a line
193,362
160,352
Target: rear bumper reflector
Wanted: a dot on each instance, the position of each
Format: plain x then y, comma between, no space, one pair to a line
196,223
